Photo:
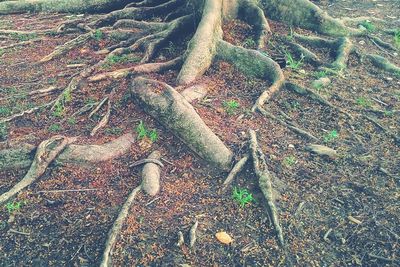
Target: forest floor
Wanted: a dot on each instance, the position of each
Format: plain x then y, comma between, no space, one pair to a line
334,212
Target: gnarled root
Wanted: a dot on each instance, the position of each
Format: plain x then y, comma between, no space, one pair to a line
384,64
46,152
235,170
264,180
255,64
172,110
151,175
17,158
116,228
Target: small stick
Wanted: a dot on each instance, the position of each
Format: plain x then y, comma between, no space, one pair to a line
380,258
192,233
18,232
98,107
327,235
68,190
235,170
181,240
157,198
103,122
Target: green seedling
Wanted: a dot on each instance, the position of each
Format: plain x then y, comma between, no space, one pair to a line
54,128
242,196
368,25
5,111
231,106
23,37
321,74
153,135
364,102
293,63
143,132
3,131
98,35
289,161
330,136
71,121
396,38
13,206
2,51
249,43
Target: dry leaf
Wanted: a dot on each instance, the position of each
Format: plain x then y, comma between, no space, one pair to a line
223,237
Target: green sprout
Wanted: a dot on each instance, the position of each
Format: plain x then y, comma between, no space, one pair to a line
54,128
289,161
153,135
368,25
231,106
13,206
293,63
397,38
364,102
330,136
249,42
143,132
242,196
321,74
3,131
98,35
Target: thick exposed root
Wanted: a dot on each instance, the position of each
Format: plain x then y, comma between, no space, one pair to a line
172,110
344,48
18,158
192,234
116,228
301,51
264,180
384,64
254,64
202,47
254,15
151,175
46,152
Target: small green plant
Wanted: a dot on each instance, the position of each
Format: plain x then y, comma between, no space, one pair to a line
114,59
289,161
388,113
368,25
3,131
364,102
2,51
330,136
58,109
98,35
13,206
321,74
54,128
249,43
5,111
231,106
242,196
71,121
293,63
396,38
23,36
153,135
143,132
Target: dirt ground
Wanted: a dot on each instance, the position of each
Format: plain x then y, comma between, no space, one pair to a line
334,212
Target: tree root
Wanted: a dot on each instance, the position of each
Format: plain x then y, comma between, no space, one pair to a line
46,152
116,228
18,158
151,175
295,129
103,122
254,64
235,170
192,233
384,64
172,110
139,69
264,178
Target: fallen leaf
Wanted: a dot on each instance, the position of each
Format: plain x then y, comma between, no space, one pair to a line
224,238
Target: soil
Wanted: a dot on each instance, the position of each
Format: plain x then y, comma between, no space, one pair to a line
334,212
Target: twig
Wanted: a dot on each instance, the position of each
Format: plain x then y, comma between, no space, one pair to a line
68,190
192,233
235,170
181,240
327,235
157,198
18,232
380,258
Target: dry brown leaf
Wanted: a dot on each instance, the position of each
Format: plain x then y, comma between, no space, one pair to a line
224,238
